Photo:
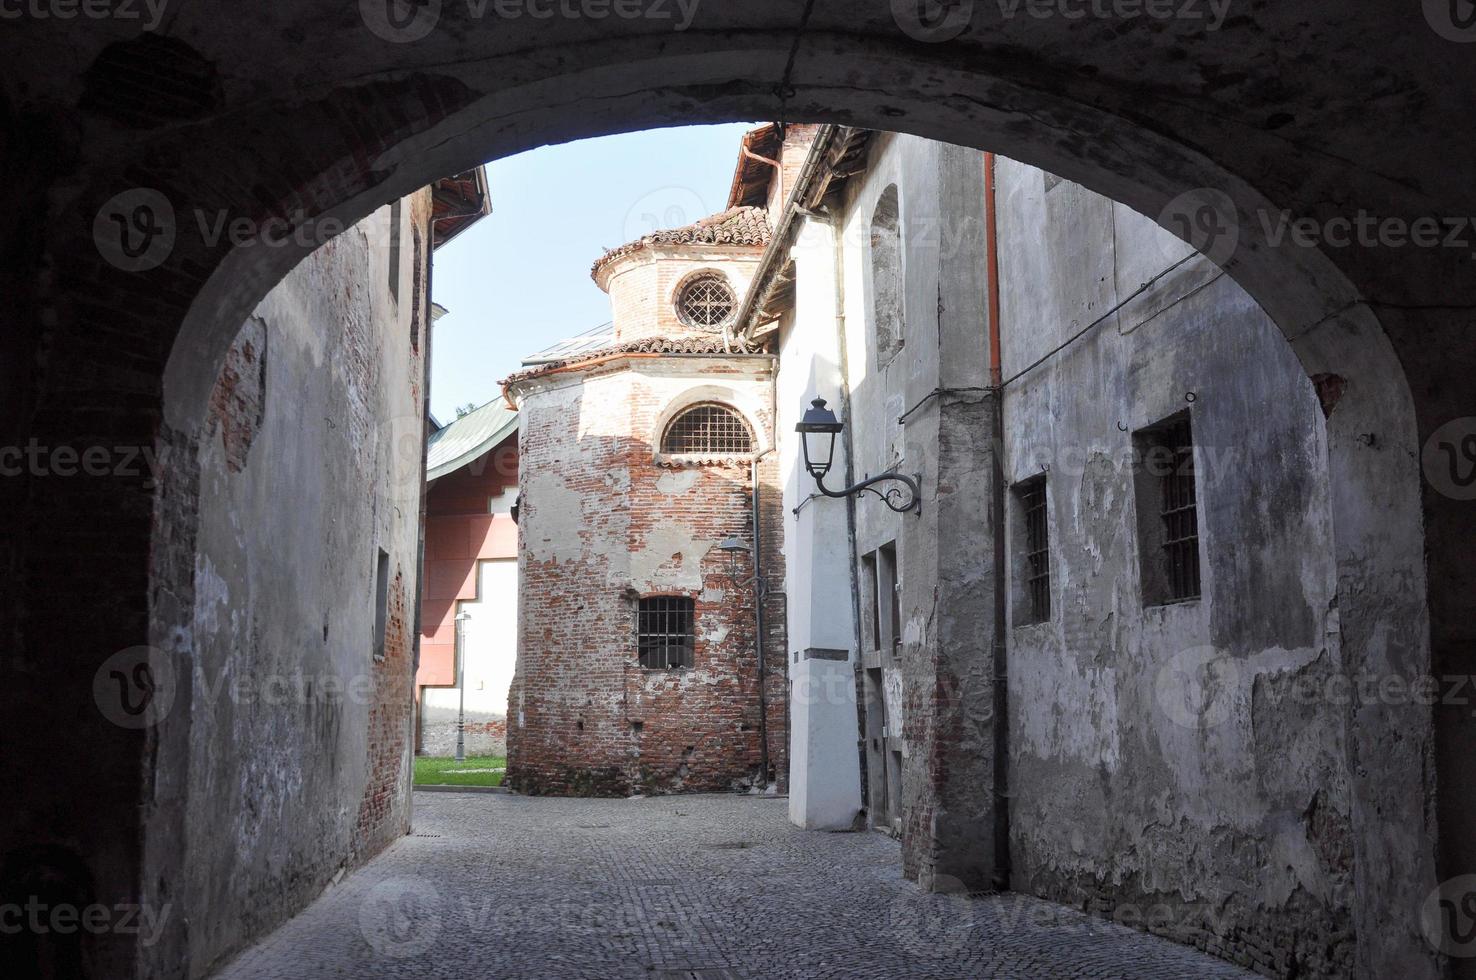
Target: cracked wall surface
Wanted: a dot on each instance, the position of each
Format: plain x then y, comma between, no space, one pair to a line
1187,767
1158,758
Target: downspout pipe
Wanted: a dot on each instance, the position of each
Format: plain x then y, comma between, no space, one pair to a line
997,509
778,168
760,594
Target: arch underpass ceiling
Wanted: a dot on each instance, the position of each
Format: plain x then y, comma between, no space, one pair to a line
316,112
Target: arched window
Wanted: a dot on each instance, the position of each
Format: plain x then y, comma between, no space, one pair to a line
707,429
886,276
706,301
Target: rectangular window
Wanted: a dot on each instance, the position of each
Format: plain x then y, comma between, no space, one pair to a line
394,251
1035,542
1168,511
873,600
889,591
381,602
665,635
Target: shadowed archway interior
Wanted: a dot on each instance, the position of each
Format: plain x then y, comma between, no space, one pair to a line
316,113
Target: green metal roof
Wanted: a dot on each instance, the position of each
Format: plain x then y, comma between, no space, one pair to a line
457,443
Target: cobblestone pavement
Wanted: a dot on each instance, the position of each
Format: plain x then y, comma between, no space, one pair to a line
696,887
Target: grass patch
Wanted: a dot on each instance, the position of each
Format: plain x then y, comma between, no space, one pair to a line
477,770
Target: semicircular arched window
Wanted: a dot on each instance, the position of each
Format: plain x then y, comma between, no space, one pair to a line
707,429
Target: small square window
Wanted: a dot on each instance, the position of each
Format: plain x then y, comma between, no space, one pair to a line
665,635
1168,511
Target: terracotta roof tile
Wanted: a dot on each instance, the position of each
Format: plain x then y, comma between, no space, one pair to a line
646,345
736,226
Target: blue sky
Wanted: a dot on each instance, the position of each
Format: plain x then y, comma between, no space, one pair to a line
518,280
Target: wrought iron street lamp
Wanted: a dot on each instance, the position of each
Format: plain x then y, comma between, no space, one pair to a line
818,430
734,548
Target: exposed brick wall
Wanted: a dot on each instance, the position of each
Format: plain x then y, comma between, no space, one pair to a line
586,718
384,812
643,283
237,401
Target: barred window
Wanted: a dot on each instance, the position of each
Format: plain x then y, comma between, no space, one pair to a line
1168,512
707,429
706,301
1036,567
665,637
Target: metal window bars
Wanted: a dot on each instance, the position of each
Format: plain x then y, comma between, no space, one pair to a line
665,635
707,429
1037,549
1179,511
706,301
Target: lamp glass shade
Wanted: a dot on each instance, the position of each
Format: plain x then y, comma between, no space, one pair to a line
818,429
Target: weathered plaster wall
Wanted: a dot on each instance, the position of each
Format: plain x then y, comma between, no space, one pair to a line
1162,764
1185,768
602,524
299,736
939,662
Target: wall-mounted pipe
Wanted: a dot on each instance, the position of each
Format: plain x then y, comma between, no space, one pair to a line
778,167
1000,660
760,594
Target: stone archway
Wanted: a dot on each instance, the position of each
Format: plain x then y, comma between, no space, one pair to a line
323,134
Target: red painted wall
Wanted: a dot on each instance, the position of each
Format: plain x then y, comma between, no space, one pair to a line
459,532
